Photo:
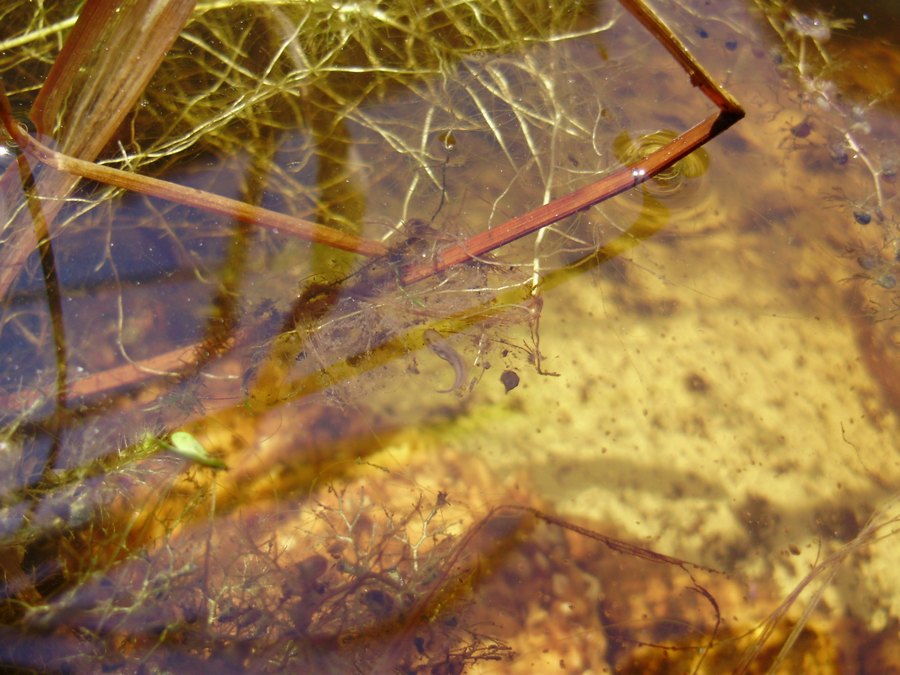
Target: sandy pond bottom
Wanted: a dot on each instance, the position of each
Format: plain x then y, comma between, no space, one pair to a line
727,392
724,393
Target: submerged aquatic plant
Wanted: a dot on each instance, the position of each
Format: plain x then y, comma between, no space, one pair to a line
430,140
359,582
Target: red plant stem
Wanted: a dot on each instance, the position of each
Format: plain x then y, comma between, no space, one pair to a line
730,111
232,208
619,181
126,375
699,77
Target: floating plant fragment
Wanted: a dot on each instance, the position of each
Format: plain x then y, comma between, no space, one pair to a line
186,445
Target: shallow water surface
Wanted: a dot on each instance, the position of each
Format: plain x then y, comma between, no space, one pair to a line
659,435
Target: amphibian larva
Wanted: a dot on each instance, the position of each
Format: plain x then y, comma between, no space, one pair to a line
442,349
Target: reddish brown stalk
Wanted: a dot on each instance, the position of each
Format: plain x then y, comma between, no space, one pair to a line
608,186
188,196
621,180
125,375
104,66
699,77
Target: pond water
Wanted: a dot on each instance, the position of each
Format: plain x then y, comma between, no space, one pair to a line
661,435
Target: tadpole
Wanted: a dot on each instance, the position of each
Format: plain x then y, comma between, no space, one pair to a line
510,380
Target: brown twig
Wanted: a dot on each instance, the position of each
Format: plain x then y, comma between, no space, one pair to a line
730,111
699,77
126,375
241,211
102,69
619,181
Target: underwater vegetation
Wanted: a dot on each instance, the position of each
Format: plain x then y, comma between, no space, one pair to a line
296,303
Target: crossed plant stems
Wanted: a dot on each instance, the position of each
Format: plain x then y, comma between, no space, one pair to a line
622,179
402,271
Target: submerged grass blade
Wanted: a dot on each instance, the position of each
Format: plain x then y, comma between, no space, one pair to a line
189,196
104,66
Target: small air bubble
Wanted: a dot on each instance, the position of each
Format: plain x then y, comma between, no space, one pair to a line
448,140
814,27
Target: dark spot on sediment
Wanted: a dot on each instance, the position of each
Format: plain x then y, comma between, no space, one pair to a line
838,522
759,518
697,383
802,130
